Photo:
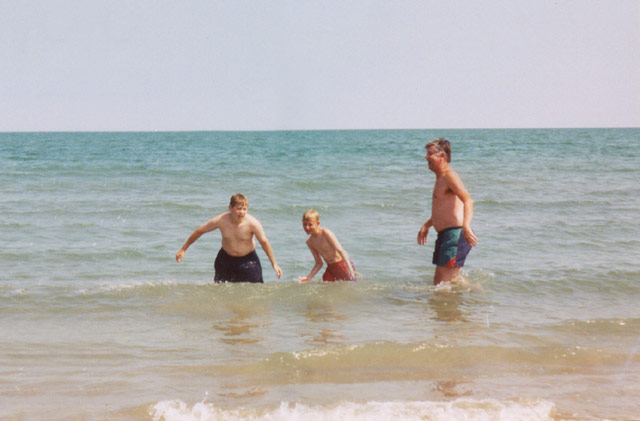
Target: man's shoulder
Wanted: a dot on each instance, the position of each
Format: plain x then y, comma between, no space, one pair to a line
449,176
252,223
450,172
251,219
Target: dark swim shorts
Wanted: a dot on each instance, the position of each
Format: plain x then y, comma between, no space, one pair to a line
451,248
237,269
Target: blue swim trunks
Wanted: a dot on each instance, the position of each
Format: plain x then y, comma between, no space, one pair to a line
451,248
237,269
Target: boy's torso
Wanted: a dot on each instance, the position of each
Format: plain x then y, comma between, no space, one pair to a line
323,246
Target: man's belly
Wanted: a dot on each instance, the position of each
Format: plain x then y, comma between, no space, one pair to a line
238,249
444,223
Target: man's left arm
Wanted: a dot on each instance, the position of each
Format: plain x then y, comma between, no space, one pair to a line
258,231
454,182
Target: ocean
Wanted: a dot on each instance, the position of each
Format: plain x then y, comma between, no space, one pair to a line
99,322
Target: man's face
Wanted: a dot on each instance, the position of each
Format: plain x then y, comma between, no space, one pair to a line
433,157
238,211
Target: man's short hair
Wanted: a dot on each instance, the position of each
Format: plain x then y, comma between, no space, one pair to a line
441,145
238,199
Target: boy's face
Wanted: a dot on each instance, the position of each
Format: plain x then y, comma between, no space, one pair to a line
238,211
310,225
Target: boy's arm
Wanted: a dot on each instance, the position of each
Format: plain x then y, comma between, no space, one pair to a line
346,258
424,231
333,240
454,182
208,226
316,267
264,242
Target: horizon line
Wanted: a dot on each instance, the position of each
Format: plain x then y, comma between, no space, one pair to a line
314,130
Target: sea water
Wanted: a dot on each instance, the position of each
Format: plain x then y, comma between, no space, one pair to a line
98,320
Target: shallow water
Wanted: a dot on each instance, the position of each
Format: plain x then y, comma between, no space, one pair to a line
100,322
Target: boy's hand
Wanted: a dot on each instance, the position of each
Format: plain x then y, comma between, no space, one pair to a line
303,280
179,256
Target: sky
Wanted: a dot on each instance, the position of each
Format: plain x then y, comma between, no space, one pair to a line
155,65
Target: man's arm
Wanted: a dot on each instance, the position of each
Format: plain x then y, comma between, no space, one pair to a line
454,182
208,226
264,242
424,231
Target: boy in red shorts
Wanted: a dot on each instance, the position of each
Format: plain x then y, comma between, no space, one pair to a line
324,245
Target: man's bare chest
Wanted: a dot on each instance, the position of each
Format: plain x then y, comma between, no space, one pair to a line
441,190
240,232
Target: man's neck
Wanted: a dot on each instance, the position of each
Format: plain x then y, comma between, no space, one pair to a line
442,169
235,220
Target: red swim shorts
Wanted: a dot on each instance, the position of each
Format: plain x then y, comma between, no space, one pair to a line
338,271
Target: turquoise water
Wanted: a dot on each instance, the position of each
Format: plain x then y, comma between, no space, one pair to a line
100,322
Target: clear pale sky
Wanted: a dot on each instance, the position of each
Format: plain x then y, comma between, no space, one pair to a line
343,64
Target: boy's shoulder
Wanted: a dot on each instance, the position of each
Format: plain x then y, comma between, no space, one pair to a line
319,236
325,234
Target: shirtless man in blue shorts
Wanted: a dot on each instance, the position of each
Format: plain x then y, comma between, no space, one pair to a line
237,260
451,214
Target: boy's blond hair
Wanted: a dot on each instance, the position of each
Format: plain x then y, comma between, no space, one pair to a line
311,214
238,199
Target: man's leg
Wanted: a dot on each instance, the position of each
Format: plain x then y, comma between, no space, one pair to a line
250,270
445,274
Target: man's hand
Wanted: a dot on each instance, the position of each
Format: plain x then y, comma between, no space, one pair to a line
471,238
179,256
278,270
422,235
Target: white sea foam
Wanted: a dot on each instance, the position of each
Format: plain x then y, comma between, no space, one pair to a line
467,409
323,352
123,286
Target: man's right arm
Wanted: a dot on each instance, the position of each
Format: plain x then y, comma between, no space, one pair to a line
424,231
208,226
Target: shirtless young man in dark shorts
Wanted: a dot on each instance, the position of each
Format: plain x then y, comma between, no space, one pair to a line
451,214
237,260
